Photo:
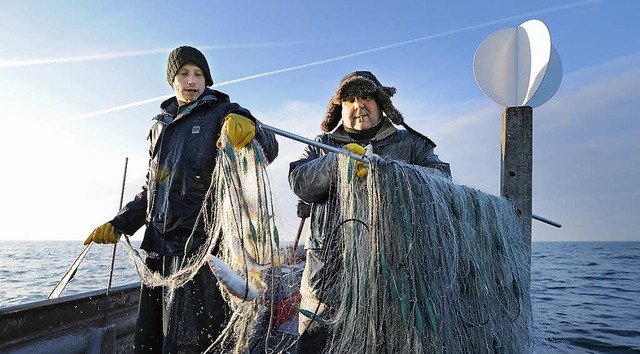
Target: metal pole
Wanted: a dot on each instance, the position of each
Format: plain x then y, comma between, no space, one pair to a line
545,220
314,143
295,242
71,272
113,255
364,159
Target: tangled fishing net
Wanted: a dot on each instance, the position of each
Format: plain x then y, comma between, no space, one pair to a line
259,284
425,265
429,267
252,270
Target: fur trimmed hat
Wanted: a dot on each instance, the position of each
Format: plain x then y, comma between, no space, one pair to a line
360,83
183,55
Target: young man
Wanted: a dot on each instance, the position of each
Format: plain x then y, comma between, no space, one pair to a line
368,116
182,158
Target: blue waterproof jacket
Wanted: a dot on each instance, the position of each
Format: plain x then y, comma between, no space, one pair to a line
182,158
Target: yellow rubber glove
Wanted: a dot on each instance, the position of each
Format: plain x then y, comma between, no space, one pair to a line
362,168
240,130
104,233
355,148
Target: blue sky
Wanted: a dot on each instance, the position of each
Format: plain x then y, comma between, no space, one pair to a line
80,82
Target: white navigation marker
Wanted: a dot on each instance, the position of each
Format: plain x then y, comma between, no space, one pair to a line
518,66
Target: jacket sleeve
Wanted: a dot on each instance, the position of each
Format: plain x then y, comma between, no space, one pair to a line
426,156
131,218
313,175
268,142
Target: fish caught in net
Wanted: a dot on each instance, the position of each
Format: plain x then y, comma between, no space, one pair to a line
424,265
253,271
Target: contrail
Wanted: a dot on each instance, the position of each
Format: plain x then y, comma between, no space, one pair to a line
112,109
118,55
376,49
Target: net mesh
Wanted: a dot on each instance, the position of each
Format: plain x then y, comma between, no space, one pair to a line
254,273
438,268
425,265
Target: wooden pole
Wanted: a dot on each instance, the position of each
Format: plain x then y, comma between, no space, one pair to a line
516,170
517,160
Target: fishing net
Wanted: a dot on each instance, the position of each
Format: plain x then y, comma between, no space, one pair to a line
254,274
424,265
259,283
439,267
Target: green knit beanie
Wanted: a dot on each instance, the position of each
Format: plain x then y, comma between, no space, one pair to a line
183,55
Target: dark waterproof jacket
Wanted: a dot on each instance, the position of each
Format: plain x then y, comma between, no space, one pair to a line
313,177
182,158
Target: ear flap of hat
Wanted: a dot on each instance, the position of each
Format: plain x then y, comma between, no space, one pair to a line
332,117
384,99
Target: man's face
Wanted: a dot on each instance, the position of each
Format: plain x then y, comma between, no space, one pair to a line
188,84
360,113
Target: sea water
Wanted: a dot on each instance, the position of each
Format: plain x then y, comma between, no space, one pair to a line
30,270
586,295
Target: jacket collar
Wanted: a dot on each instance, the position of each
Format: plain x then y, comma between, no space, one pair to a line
172,112
385,131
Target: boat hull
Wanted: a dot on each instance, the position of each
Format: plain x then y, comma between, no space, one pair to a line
86,323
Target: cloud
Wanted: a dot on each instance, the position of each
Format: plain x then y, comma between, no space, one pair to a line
587,154
283,70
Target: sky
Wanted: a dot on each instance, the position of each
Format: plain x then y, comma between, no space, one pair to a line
81,81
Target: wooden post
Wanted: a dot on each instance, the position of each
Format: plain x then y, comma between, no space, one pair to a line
517,161
516,171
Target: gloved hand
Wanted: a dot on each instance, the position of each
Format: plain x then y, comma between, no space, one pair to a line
355,148
362,168
240,130
104,233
